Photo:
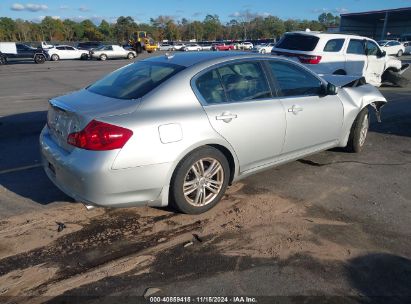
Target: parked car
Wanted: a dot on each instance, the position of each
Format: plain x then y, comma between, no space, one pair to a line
89,45
193,47
11,51
166,47
392,47
66,52
112,52
246,45
407,47
222,47
327,53
206,47
179,46
263,48
179,129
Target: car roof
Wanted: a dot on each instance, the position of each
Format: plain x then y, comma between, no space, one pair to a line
328,35
190,59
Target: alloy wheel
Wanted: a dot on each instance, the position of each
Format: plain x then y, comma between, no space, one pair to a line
203,182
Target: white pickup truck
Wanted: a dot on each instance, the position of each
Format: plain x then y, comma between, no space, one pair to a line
340,54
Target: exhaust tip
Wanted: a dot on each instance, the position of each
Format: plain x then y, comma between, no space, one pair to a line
89,207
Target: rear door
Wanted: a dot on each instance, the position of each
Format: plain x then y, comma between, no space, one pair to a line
239,104
314,122
356,59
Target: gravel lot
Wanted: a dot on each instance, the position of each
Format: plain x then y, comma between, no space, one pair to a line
331,225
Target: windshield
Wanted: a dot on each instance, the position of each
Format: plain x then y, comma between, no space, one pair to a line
298,42
134,80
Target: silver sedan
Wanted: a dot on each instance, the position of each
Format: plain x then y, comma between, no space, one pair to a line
178,129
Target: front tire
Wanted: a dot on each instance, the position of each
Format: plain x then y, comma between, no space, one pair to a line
359,131
130,56
199,181
103,57
400,52
39,59
55,57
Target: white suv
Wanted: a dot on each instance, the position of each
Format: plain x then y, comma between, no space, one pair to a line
340,54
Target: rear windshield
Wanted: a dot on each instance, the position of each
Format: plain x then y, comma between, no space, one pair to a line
298,42
135,80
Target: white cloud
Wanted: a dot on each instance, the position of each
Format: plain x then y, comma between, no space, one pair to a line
17,7
64,7
83,9
28,7
341,10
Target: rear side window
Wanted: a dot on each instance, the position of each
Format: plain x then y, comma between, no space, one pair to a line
334,45
298,42
294,81
244,81
209,86
356,47
134,80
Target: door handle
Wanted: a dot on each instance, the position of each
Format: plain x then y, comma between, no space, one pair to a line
295,109
226,117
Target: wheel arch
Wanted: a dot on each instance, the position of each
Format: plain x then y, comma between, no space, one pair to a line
221,145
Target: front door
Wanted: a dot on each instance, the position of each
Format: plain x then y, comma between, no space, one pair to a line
314,121
240,107
376,63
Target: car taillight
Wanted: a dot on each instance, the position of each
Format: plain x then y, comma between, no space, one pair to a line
308,59
100,136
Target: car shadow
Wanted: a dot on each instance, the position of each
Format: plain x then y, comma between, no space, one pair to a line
381,278
20,161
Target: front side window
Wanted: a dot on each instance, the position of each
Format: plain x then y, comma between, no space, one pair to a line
134,80
244,81
356,47
60,48
372,48
334,45
294,81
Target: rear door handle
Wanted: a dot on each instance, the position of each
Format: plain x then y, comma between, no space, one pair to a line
226,117
295,109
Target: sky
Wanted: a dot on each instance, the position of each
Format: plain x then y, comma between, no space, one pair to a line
142,11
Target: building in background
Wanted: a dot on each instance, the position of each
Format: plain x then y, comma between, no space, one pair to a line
384,24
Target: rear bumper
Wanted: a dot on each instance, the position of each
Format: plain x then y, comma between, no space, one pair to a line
87,177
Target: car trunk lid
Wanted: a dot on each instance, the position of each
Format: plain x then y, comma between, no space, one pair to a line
71,113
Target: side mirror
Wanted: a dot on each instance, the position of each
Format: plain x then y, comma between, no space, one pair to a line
329,89
383,53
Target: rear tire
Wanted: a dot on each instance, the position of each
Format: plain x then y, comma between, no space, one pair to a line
3,60
395,78
199,181
359,131
39,59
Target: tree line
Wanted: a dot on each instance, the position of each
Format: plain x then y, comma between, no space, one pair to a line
242,27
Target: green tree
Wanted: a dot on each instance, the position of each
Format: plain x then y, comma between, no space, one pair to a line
7,28
212,27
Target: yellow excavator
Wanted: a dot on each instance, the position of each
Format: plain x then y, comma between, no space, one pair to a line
141,41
